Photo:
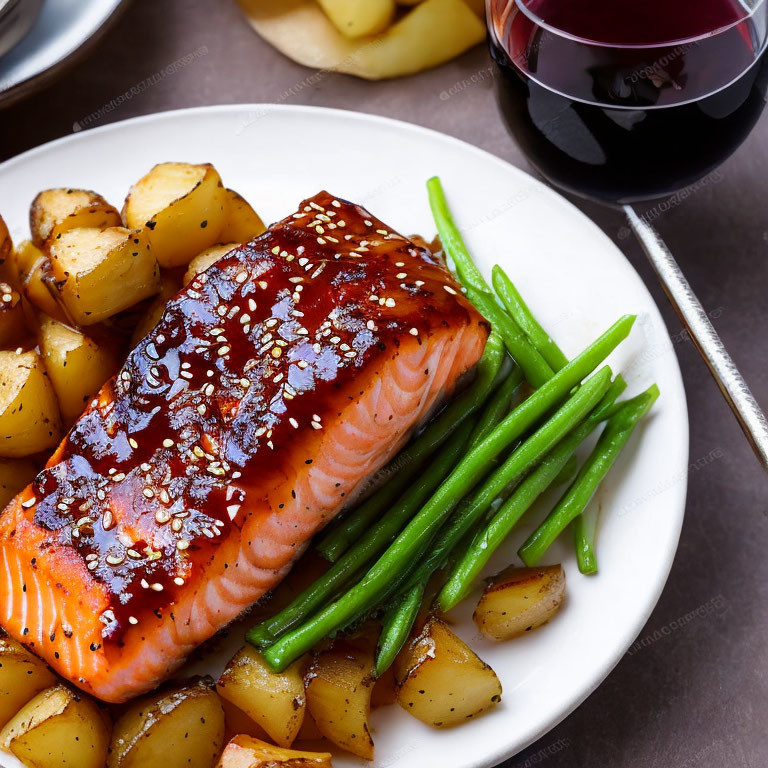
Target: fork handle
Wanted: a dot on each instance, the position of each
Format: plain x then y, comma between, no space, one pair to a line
710,346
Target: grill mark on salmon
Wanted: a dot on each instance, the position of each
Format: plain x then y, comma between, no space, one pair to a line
274,385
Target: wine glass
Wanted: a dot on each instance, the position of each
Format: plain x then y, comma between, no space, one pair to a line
622,101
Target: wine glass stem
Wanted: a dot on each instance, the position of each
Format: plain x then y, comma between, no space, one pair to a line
695,319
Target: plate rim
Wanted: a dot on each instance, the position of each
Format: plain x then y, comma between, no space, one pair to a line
527,738
20,89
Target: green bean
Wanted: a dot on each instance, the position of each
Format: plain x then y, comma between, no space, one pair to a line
584,531
376,584
398,623
368,547
488,540
615,435
534,366
482,545
401,614
498,406
386,574
567,473
411,459
518,309
451,238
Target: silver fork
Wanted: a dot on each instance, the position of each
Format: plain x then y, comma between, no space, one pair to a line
695,319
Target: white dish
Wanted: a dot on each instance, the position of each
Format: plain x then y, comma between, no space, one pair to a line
577,283
60,31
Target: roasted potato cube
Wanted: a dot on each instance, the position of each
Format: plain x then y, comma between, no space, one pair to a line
15,476
55,211
58,728
275,701
237,722
77,365
204,260
339,687
6,251
518,600
33,275
182,727
22,676
183,206
98,273
358,18
247,752
29,412
169,287
13,323
441,681
242,223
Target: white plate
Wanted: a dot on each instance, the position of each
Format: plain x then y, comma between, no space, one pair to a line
577,282
61,29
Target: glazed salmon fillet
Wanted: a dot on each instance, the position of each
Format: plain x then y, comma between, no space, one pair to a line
275,383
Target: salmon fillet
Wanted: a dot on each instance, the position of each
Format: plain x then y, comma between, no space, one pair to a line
275,383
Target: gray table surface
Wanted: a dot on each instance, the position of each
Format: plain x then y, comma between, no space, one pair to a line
695,694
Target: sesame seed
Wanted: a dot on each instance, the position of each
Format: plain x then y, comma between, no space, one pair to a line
263,285
156,587
93,566
414,331
182,544
401,275
119,477
148,492
224,350
178,581
107,519
133,620
201,409
162,516
390,302
241,277
252,305
294,423
115,559
450,290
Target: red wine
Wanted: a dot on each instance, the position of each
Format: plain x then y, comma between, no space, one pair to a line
624,100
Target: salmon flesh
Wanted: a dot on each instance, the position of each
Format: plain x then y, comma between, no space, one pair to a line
276,382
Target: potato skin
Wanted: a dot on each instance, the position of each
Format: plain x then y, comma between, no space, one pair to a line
32,273
77,365
183,208
22,676
339,688
518,600
242,223
58,728
13,321
88,263
276,702
6,251
246,752
29,412
441,681
55,211
207,258
180,727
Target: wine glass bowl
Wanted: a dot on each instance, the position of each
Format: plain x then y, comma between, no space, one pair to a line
622,101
